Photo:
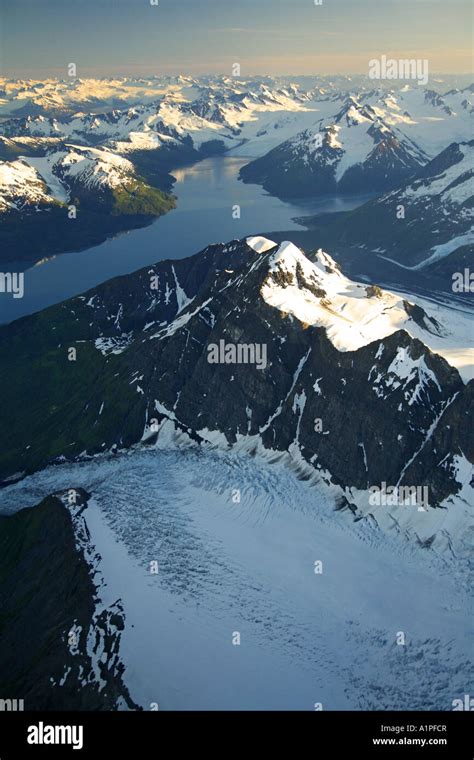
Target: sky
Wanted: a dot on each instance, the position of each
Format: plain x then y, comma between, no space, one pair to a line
39,38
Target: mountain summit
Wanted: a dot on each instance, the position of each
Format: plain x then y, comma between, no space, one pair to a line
357,151
354,388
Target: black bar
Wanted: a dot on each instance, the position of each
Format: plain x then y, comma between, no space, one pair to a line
344,734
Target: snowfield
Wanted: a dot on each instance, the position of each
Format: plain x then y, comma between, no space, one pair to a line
44,167
21,184
355,315
431,120
317,598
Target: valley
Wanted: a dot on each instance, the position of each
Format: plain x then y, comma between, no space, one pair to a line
206,193
324,148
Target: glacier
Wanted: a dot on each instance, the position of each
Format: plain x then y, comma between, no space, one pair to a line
243,546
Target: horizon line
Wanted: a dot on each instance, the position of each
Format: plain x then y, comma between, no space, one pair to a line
223,76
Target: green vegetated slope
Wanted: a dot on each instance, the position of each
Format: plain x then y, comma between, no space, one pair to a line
30,234
57,395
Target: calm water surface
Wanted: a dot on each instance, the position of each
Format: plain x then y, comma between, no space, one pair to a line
207,193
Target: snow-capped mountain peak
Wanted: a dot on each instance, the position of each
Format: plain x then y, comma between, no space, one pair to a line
328,344
94,167
316,293
43,180
355,150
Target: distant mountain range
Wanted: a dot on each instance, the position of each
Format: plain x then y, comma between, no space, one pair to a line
425,225
247,116
355,153
193,116
72,141
373,143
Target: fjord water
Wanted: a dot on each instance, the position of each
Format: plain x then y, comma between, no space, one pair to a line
206,194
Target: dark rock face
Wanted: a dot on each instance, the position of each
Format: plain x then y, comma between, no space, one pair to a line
352,408
285,173
47,614
453,436
373,426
